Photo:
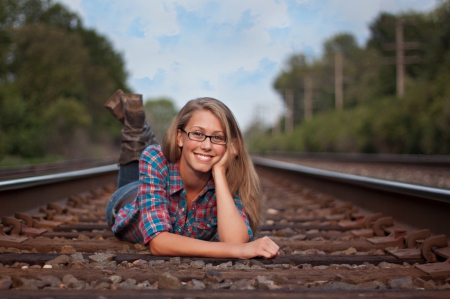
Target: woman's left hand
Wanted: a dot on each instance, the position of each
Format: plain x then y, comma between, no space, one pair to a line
222,163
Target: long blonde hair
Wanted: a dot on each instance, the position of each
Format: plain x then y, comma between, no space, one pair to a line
241,174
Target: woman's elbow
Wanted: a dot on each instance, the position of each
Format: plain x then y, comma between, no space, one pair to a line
155,249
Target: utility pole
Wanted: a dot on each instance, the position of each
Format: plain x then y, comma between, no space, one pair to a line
289,116
400,59
276,128
308,97
338,81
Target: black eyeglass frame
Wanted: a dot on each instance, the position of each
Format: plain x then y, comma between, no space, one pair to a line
205,136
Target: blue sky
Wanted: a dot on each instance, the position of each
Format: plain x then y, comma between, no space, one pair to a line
228,49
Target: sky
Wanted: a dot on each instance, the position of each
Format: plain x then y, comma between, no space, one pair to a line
231,50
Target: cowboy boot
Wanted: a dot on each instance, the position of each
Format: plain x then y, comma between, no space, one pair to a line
136,132
114,105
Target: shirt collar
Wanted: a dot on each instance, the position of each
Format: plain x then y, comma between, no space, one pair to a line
175,182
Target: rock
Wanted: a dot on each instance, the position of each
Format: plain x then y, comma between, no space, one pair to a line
403,283
199,264
280,233
350,251
321,267
69,278
175,260
130,281
77,257
286,250
339,277
337,285
140,247
18,265
443,287
371,285
36,267
239,266
141,264
5,283
101,286
268,285
167,281
77,285
125,249
47,267
83,237
224,266
156,263
50,280
68,249
27,284
419,282
427,285
306,266
102,258
124,286
213,276
298,237
115,278
145,285
195,284
272,211
220,286
62,259
384,265
77,265
243,284
379,252
314,251
315,284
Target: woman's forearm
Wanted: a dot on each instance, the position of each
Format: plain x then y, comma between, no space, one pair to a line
169,244
230,224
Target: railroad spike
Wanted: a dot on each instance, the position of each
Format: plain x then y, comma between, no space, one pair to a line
439,241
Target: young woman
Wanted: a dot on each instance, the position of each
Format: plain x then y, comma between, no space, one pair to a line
199,186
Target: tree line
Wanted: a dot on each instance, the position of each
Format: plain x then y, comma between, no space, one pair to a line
55,75
373,119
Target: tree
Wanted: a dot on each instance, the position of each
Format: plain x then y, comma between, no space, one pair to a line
49,61
160,113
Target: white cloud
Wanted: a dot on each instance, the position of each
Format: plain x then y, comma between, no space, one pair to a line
189,48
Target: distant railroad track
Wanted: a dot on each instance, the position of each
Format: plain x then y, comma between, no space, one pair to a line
341,236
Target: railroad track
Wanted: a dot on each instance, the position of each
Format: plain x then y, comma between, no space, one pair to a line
329,247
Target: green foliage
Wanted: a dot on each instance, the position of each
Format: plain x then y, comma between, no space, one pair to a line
374,119
160,113
55,76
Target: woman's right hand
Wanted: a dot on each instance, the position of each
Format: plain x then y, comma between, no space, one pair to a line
264,247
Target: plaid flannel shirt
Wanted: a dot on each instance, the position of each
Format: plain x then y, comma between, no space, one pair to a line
161,204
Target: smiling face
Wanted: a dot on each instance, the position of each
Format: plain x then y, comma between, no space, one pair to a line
197,158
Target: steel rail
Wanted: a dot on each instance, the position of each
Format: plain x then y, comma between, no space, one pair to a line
29,193
55,178
391,186
422,160
412,205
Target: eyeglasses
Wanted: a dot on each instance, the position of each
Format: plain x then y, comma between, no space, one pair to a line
200,137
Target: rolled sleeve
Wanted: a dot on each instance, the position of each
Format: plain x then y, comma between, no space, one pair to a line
241,210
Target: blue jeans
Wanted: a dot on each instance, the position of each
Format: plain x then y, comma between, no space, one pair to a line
128,183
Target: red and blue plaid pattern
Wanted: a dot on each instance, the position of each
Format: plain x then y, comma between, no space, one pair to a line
161,204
